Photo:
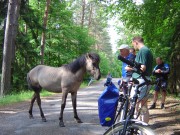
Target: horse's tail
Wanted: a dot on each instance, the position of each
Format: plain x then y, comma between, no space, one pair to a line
31,86
29,81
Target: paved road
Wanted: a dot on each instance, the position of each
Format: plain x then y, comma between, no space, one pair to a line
14,119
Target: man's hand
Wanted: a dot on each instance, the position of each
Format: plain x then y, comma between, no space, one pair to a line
158,71
143,68
128,68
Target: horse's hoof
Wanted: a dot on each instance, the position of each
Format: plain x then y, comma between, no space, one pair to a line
61,124
43,119
78,121
31,117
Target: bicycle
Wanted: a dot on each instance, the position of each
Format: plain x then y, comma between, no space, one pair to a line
126,85
130,125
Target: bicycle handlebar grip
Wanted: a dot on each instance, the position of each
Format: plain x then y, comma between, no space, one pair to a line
125,61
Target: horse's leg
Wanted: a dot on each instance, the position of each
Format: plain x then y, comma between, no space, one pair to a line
31,106
39,104
63,104
74,103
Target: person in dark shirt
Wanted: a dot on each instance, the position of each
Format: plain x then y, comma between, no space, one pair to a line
161,71
145,57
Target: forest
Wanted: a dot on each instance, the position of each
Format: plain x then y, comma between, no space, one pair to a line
55,32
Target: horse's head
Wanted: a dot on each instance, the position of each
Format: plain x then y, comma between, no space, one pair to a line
92,65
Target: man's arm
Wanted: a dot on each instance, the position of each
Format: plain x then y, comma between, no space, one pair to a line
167,69
155,70
143,68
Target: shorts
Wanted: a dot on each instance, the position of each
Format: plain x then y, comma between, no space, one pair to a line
161,85
144,90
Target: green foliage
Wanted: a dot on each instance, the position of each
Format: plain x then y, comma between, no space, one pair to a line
156,24
117,66
110,64
66,38
157,21
105,64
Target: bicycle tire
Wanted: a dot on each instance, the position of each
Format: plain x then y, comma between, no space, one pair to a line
139,128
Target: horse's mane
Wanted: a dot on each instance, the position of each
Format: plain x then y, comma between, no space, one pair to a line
80,62
76,64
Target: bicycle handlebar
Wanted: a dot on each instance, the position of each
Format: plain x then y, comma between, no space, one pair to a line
125,61
132,64
136,67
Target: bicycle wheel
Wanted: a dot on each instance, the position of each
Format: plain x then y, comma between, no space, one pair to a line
132,129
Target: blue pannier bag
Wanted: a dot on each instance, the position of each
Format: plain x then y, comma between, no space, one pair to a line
107,105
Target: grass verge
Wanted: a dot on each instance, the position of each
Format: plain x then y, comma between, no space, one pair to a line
25,95
18,97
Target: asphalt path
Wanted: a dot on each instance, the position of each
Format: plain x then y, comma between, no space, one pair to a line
14,119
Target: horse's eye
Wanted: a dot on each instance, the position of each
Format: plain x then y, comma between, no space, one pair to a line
94,64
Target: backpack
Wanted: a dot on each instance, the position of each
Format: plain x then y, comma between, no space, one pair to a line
107,105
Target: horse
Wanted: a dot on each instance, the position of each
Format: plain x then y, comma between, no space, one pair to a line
65,79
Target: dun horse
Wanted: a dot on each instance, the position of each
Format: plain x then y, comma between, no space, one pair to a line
65,79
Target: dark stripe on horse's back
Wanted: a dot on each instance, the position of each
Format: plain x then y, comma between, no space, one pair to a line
76,65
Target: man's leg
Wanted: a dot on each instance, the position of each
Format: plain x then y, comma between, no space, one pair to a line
143,97
156,92
163,98
155,96
145,111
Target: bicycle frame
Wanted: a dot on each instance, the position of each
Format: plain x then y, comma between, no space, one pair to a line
124,99
132,108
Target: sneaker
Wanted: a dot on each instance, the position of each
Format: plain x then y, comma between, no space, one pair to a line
153,106
162,106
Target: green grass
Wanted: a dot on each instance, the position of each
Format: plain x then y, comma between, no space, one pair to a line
26,95
18,97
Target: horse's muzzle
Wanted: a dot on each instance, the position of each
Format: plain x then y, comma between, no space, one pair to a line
97,75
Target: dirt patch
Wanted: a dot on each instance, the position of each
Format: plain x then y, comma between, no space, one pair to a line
165,121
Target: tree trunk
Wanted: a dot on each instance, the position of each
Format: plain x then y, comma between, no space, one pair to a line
90,15
174,79
10,32
83,12
14,37
43,33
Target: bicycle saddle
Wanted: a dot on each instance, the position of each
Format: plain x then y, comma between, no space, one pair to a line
134,80
126,79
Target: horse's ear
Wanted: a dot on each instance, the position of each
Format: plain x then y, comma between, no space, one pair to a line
88,55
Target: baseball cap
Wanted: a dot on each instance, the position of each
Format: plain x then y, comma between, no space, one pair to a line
123,46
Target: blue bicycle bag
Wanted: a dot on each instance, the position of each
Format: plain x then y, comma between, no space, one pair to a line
107,105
